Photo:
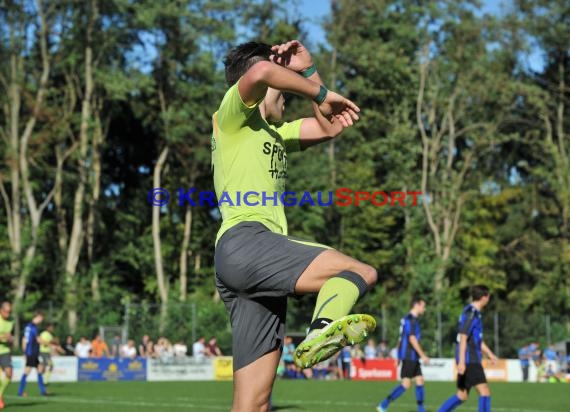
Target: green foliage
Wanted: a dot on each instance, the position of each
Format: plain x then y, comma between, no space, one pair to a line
158,75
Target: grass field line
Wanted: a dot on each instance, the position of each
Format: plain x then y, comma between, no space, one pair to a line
117,402
280,401
187,405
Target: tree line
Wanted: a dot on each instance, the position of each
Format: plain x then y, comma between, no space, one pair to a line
104,100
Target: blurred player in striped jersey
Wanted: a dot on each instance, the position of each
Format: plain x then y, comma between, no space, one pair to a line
409,354
468,354
31,344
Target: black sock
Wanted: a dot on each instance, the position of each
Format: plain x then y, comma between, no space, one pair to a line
320,323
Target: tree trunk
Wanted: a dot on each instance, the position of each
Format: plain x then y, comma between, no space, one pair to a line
14,208
441,181
19,172
197,262
564,160
58,203
98,136
184,253
14,222
60,212
159,266
77,229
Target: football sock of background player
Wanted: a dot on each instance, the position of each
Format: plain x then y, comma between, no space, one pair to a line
450,404
41,383
23,384
484,404
395,394
420,396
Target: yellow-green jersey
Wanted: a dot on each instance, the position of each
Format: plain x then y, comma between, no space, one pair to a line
46,338
6,326
249,157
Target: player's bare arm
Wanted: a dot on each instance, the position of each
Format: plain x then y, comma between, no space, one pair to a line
57,347
418,348
462,351
314,130
488,352
254,83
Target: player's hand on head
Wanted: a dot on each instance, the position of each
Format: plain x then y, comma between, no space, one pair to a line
292,55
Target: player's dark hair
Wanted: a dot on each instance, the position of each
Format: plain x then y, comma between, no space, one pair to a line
479,291
240,59
416,299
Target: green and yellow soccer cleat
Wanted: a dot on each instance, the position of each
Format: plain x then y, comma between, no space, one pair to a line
321,344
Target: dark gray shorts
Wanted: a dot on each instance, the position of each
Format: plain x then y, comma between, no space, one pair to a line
256,270
45,358
410,369
5,361
474,375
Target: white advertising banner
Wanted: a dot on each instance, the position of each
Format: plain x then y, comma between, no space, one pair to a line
438,370
64,369
180,369
504,370
515,371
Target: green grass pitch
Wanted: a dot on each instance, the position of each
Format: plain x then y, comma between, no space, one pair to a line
294,396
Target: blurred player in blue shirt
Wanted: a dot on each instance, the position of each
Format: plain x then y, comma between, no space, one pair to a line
551,357
409,354
524,356
31,344
468,354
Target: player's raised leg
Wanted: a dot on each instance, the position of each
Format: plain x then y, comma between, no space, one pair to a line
340,281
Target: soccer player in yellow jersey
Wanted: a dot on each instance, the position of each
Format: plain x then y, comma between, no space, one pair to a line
257,264
46,339
6,338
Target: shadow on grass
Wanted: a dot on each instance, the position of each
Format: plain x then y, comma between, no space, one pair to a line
23,404
283,407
